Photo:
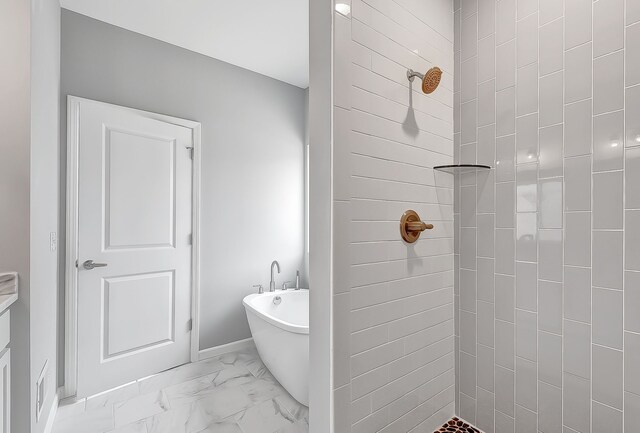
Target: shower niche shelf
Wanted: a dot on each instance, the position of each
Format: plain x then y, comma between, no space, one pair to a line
462,168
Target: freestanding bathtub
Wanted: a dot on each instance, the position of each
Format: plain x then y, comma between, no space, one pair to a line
279,323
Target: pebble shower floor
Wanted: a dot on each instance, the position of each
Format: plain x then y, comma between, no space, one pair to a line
456,425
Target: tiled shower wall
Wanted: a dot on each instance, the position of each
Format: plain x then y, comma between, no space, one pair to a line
547,258
393,303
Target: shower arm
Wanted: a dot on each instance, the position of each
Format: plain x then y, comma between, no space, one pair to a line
411,75
430,80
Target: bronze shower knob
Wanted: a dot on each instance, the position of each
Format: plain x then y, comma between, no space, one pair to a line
411,226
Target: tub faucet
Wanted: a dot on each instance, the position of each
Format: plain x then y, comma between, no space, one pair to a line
272,284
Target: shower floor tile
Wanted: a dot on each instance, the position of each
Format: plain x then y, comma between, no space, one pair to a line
456,425
232,393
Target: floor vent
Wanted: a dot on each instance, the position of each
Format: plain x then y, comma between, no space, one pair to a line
456,425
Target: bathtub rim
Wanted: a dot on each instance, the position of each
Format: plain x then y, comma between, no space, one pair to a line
285,326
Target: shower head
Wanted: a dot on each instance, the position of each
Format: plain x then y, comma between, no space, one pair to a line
430,80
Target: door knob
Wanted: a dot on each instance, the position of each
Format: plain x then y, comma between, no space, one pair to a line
89,264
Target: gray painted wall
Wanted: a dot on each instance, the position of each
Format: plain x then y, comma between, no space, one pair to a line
253,135
14,189
45,133
30,48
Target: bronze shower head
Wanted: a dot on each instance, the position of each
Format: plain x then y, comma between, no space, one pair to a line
430,80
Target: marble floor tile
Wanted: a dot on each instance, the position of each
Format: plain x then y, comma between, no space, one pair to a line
185,419
96,421
140,407
179,374
260,390
232,393
228,426
223,403
125,392
136,427
69,408
266,417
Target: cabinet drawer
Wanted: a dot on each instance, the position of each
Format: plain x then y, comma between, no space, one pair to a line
5,330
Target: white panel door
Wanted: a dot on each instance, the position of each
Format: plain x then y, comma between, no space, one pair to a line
134,223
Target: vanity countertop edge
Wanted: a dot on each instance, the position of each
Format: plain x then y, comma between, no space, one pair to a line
8,298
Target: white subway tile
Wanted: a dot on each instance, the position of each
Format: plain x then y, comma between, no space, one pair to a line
551,99
505,346
485,368
505,397
550,256
577,294
505,205
578,119
576,350
577,241
506,65
607,376
577,22
608,140
550,408
632,301
632,116
578,73
550,10
551,151
608,83
605,418
526,335
551,49
607,318
485,409
550,307
608,259
486,18
505,251
505,21
550,358
550,193
608,26
526,388
576,402
506,112
485,312
505,158
527,138
632,53
527,236
527,187
607,200
527,39
527,90
486,58
631,362
486,104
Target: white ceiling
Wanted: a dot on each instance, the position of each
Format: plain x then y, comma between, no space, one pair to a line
268,37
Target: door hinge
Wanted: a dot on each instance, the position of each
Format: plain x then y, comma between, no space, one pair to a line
190,149
190,325
190,239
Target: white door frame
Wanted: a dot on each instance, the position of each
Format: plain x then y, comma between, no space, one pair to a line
71,256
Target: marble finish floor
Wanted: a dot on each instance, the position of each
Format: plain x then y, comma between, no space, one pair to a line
231,393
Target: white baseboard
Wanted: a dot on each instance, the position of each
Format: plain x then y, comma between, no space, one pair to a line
48,427
225,348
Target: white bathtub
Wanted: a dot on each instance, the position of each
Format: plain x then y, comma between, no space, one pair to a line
281,334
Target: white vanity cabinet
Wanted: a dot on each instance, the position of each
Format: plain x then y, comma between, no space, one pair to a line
8,295
5,372
5,391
